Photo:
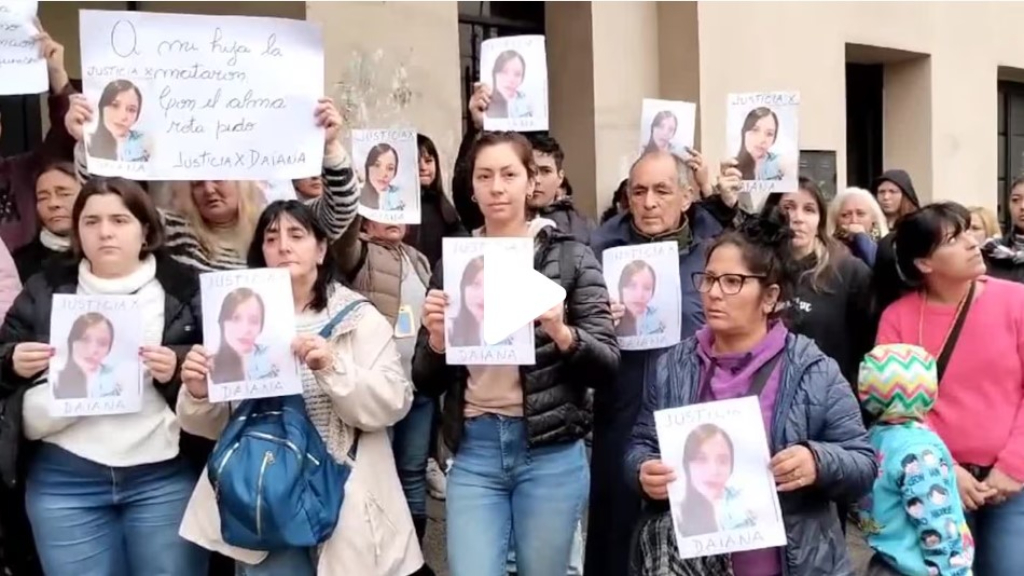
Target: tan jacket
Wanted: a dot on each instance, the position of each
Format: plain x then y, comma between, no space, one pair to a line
375,269
375,534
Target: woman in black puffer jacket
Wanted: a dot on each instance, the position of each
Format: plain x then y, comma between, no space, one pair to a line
517,432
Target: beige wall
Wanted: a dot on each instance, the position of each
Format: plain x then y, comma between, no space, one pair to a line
394,64
942,128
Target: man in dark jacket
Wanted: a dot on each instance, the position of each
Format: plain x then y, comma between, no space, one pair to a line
660,194
551,198
893,189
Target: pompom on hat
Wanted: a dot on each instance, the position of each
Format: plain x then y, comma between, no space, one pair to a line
898,383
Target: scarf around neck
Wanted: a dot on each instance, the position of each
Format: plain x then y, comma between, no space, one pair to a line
89,283
53,241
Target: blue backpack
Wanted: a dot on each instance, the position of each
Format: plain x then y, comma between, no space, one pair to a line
276,484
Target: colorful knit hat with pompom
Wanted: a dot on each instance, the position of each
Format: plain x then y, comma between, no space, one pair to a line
898,383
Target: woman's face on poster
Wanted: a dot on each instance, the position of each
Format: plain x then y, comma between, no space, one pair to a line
55,196
663,132
243,326
289,244
382,171
510,77
474,296
856,211
638,291
94,345
216,200
711,468
120,115
759,139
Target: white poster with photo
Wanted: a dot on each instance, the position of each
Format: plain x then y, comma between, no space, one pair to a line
463,260
388,166
96,368
762,134
667,125
248,329
516,69
187,97
724,498
22,66
645,279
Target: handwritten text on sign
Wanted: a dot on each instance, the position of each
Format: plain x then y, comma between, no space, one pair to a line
182,97
22,68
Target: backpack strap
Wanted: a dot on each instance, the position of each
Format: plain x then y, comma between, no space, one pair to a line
325,332
566,268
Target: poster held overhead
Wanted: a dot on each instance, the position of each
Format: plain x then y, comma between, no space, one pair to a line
516,69
96,368
667,125
22,67
762,134
388,161
186,97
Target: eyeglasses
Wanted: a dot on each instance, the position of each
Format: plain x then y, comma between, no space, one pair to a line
731,284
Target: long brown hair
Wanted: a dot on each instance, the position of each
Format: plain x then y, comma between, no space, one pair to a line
746,163
71,382
700,513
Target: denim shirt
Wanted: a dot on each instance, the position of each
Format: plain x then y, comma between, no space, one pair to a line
649,323
391,199
104,384
770,169
133,148
519,107
259,365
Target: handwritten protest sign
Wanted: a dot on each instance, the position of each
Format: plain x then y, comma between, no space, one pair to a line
388,162
22,67
182,97
248,328
762,134
724,498
516,69
96,368
463,260
645,279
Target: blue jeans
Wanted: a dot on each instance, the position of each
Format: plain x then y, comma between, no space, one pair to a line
291,562
575,561
498,488
411,444
94,520
997,538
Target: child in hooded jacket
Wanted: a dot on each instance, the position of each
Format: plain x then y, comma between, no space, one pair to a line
913,518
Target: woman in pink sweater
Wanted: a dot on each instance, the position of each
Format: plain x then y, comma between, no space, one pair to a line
980,409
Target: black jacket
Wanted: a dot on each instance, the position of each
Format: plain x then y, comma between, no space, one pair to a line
568,219
554,389
438,219
29,321
32,258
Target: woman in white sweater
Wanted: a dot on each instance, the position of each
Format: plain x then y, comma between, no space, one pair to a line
106,494
352,380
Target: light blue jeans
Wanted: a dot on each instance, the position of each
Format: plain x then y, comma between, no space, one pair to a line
997,538
411,445
498,488
575,561
94,520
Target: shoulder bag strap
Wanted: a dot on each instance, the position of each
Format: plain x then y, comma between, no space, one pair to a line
762,374
954,334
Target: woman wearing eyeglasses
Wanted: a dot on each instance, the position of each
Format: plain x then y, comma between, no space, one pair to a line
820,450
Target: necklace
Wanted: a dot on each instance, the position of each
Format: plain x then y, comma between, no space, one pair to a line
949,331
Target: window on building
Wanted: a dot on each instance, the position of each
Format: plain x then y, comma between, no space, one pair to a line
1010,141
479,21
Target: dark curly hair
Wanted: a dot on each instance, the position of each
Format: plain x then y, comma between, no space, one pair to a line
766,245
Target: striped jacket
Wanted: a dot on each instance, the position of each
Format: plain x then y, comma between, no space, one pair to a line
336,209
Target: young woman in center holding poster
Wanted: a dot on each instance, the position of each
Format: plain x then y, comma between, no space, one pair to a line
517,432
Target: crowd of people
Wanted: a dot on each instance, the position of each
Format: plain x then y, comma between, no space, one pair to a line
890,333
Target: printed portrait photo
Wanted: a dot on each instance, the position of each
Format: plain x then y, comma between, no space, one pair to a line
118,136
390,187
89,372
516,70
667,125
723,482
240,356
637,284
467,327
764,141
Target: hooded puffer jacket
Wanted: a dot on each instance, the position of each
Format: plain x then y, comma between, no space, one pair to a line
815,407
555,388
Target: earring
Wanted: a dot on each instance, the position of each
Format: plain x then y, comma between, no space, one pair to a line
473,198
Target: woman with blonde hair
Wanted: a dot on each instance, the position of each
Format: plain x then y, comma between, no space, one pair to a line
856,219
984,224
211,222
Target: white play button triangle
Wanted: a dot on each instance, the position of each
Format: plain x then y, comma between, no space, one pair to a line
514,295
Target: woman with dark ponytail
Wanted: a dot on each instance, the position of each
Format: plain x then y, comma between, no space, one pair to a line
820,451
